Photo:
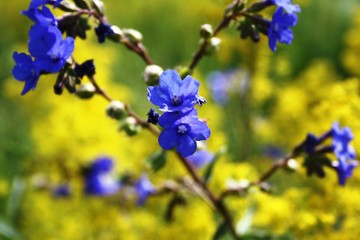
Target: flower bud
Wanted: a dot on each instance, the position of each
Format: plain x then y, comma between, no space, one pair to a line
292,165
206,31
213,46
133,35
152,74
117,34
130,126
98,5
116,110
85,91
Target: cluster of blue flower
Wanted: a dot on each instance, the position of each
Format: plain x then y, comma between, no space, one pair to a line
340,146
177,99
283,19
100,181
48,50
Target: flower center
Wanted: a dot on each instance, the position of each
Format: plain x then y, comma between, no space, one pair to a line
176,100
182,129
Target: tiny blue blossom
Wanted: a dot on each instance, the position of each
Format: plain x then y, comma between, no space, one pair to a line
25,70
201,158
98,178
344,152
153,116
56,56
103,31
286,4
62,190
41,16
143,188
86,68
181,131
174,94
279,29
42,39
38,3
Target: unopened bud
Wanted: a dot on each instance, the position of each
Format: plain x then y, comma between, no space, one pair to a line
213,46
130,126
133,35
152,74
116,110
206,31
292,165
98,5
85,91
117,34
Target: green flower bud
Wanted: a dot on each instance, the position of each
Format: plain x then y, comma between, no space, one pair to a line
98,5
133,35
213,46
86,91
206,31
152,74
118,34
116,110
130,126
292,165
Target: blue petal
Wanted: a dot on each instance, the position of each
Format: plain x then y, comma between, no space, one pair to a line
168,138
186,146
200,158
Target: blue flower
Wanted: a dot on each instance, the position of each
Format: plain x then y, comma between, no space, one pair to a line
279,29
201,158
143,188
153,117
103,31
286,4
41,17
86,68
57,56
344,152
38,3
181,131
98,178
174,94
42,39
24,70
62,190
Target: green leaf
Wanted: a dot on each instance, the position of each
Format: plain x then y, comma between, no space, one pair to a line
245,223
14,200
156,161
8,231
209,170
221,233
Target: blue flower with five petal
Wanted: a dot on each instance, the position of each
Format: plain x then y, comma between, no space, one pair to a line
98,178
174,94
201,158
181,131
286,4
344,152
143,188
279,29
24,70
38,3
41,16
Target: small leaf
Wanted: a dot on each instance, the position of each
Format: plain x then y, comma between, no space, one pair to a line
245,223
8,231
209,170
156,161
221,233
14,200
